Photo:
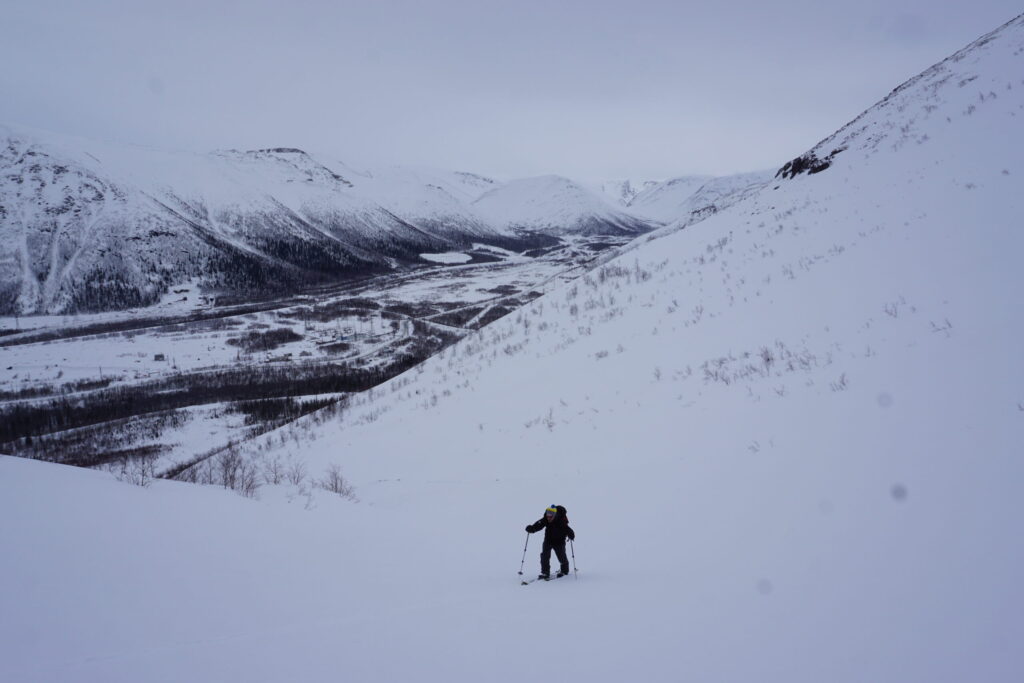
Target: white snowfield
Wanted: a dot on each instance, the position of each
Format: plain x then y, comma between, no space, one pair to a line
426,194
555,205
621,192
449,257
788,438
695,197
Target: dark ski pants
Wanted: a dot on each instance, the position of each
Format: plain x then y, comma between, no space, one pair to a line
545,556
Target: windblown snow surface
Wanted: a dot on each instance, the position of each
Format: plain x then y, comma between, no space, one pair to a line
788,437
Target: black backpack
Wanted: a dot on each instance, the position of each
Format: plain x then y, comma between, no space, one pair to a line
561,513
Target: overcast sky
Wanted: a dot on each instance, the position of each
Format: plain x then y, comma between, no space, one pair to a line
591,90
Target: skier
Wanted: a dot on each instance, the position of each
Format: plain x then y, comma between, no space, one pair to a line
556,530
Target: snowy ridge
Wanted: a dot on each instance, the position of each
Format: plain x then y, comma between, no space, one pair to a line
788,439
683,200
622,192
92,226
798,421
558,206
436,199
689,199
955,88
664,199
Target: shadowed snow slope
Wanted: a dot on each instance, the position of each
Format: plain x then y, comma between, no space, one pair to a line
788,439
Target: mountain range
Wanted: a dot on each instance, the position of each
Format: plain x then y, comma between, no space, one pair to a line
788,438
88,226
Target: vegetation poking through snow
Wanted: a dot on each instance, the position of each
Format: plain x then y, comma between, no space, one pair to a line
265,341
277,411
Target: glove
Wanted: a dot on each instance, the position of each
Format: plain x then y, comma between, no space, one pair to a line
572,537
527,529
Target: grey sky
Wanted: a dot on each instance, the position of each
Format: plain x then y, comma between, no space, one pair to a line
591,90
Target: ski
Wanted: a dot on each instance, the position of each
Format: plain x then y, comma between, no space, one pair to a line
527,582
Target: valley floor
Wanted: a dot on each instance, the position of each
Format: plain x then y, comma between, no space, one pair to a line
300,351
788,438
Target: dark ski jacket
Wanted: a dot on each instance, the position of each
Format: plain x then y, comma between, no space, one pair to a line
555,531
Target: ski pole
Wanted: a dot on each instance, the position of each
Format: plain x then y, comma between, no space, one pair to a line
572,549
524,553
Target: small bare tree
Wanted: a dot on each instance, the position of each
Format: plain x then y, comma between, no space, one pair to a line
248,480
228,465
296,472
138,470
273,470
335,482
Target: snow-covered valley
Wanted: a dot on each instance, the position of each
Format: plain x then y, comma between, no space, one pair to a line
89,226
788,438
152,389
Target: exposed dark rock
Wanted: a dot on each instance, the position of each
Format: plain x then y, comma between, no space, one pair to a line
807,163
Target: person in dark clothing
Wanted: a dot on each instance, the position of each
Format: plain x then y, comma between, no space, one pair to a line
556,528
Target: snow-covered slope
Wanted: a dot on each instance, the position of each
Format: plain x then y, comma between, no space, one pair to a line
86,225
665,199
689,199
557,206
684,200
621,192
435,199
788,439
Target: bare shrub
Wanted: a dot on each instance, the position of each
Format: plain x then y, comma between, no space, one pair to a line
944,327
296,472
273,470
335,482
265,341
137,470
248,480
227,467
232,471
840,384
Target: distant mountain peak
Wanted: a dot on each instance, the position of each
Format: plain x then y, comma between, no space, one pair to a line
557,205
78,234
